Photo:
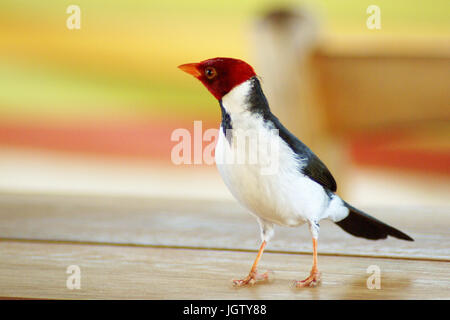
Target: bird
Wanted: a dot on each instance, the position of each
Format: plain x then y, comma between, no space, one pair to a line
298,189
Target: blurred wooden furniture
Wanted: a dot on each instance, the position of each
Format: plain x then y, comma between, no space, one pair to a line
389,101
370,100
168,249
381,90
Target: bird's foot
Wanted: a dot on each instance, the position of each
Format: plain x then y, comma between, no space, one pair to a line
251,279
312,281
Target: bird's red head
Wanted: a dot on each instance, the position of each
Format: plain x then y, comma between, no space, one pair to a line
220,75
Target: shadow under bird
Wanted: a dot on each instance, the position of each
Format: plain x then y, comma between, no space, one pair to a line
301,190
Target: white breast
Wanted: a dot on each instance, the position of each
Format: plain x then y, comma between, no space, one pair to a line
284,196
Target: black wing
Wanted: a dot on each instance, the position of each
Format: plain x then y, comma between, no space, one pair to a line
315,168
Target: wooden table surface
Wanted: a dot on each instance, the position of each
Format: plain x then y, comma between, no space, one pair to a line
176,249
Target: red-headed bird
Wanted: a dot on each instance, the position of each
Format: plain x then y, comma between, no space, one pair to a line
300,190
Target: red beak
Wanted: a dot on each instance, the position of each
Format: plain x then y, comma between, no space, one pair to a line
191,68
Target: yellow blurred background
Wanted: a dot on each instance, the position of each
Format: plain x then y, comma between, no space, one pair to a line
92,110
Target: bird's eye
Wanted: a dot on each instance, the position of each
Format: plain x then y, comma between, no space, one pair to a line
210,73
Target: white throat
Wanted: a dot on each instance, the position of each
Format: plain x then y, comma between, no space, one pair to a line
235,101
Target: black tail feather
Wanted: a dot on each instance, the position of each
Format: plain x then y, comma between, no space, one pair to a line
362,225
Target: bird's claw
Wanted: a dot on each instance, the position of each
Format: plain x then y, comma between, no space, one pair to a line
312,281
252,278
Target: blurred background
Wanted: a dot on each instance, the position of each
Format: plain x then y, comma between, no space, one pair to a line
92,110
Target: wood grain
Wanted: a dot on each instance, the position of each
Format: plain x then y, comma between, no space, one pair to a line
38,270
208,224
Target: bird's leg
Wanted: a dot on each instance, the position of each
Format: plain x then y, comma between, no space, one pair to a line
253,276
314,276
